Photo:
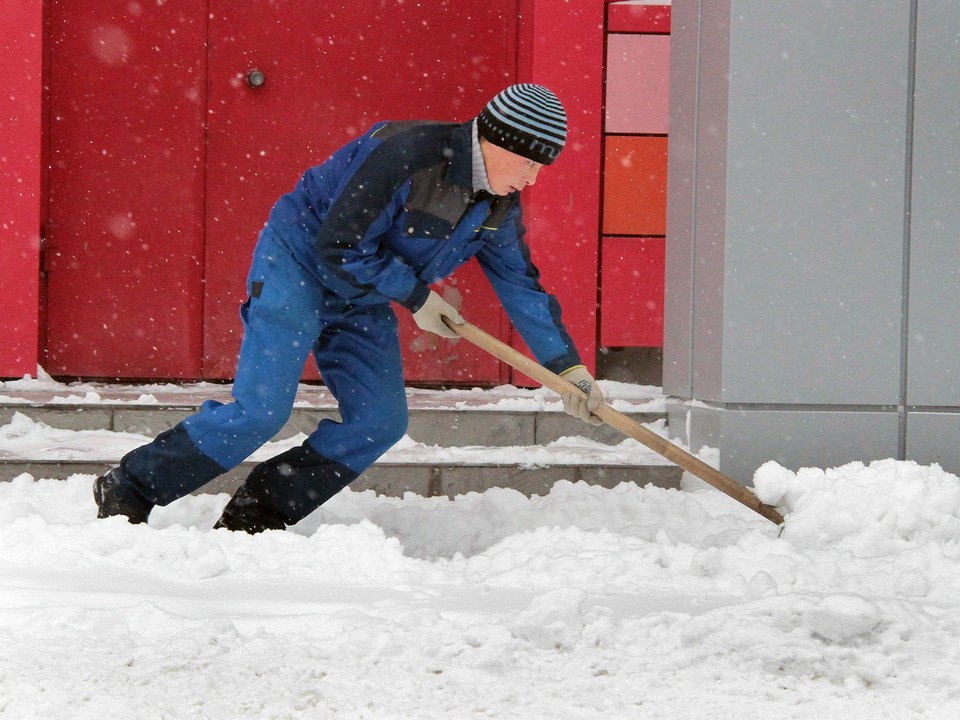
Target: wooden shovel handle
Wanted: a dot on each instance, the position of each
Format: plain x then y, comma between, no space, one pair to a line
618,420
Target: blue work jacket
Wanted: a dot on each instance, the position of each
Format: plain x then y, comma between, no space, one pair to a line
394,210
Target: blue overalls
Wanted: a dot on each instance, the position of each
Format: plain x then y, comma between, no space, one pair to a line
385,216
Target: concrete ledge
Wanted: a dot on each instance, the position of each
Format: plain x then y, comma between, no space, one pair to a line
445,428
471,421
394,479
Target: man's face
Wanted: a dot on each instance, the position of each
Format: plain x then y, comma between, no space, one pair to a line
507,172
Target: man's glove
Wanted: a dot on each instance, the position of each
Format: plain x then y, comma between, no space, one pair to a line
577,405
429,314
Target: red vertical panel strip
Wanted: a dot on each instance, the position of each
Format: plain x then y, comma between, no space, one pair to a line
631,17
632,295
635,185
20,123
638,83
562,212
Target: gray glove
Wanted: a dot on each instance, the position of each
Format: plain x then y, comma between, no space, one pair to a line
429,314
577,405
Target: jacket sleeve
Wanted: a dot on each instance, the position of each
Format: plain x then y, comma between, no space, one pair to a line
505,259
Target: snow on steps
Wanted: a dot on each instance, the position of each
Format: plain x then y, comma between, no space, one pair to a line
458,440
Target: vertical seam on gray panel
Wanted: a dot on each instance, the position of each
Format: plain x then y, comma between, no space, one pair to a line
907,229
693,204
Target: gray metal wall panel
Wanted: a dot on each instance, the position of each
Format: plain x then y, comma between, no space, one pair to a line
815,202
799,233
933,369
796,438
932,438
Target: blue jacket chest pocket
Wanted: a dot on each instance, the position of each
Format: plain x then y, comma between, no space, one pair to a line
420,224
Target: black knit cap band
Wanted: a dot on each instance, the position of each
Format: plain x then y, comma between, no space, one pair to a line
525,119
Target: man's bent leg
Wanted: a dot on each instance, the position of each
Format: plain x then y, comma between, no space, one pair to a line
359,360
219,436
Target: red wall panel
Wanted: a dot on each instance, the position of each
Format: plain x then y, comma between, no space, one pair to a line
163,162
635,185
638,84
632,280
640,18
124,230
20,134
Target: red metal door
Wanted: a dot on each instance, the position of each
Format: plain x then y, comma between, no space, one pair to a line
164,160
124,229
329,71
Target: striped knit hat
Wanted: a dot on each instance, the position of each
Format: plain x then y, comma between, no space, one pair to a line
527,120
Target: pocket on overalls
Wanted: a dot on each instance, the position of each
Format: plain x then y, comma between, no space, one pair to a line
280,291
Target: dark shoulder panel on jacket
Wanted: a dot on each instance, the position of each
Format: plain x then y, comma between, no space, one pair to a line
405,148
432,193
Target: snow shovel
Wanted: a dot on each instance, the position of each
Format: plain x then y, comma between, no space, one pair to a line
617,420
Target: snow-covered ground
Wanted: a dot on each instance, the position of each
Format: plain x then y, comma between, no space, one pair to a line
585,603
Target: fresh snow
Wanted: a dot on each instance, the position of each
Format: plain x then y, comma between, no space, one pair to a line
585,603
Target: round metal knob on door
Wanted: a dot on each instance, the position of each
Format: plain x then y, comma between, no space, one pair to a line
256,78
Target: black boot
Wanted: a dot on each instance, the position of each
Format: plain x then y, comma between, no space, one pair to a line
245,513
115,496
283,490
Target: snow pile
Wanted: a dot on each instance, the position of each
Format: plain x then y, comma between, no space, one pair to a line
870,509
584,603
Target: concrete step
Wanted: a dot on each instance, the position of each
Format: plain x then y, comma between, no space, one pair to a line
458,440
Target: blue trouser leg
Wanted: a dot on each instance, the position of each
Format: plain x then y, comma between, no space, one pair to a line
358,355
268,372
280,322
